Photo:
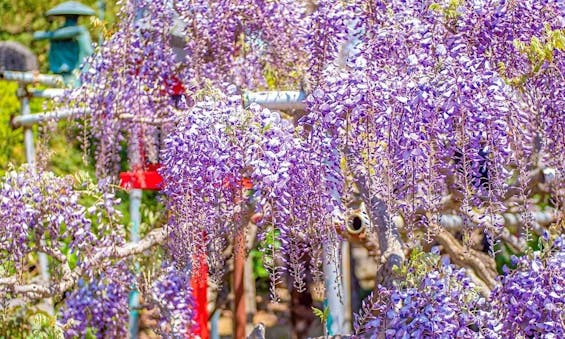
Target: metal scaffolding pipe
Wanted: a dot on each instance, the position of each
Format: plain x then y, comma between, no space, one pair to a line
28,132
333,298
46,93
32,119
239,313
32,78
275,100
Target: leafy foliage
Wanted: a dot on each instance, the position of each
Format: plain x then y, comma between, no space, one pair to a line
21,322
11,141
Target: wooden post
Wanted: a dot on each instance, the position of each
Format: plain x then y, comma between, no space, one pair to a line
240,316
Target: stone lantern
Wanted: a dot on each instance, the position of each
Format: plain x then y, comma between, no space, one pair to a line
70,44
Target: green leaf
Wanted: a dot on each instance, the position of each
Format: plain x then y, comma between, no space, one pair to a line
318,313
435,7
558,38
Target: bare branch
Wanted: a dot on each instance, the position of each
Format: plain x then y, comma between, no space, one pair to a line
100,259
482,264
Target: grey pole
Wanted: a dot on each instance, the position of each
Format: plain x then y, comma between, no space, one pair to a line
335,324
32,78
101,4
274,100
46,93
28,132
346,274
277,100
33,119
214,325
30,159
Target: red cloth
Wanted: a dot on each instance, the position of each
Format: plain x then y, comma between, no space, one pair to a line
199,284
145,179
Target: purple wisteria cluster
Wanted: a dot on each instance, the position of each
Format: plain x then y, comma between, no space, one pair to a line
99,305
439,301
41,212
328,28
431,106
530,302
171,294
134,78
161,52
422,109
71,220
216,148
244,41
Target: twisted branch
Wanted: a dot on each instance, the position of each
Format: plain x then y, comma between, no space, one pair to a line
101,259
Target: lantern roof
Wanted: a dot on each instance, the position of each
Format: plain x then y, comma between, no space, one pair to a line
70,8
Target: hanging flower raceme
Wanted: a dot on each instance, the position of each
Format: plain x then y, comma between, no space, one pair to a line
529,302
437,300
526,42
99,306
248,43
329,25
423,113
75,223
172,296
42,212
433,300
215,151
133,84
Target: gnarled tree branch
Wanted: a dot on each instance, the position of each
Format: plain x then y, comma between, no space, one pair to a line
100,259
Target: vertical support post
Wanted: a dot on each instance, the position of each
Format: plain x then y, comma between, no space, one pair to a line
249,280
214,325
135,196
101,4
332,265
346,271
30,159
240,316
28,132
334,289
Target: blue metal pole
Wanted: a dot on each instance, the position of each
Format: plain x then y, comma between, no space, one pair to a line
135,196
214,325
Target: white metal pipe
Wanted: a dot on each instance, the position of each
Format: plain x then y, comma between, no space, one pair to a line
32,78
32,119
454,222
275,100
28,132
335,323
346,272
46,93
